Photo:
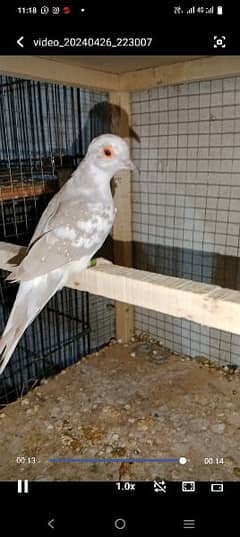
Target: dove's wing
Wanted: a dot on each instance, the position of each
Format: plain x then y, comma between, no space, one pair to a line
45,219
76,230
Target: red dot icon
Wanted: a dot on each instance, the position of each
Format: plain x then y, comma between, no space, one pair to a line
66,10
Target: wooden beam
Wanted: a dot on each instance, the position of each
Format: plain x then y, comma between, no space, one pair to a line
208,305
21,190
122,229
182,72
49,70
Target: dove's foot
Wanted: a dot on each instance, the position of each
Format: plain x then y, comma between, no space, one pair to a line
99,261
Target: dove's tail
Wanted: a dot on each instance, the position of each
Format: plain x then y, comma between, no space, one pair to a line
31,298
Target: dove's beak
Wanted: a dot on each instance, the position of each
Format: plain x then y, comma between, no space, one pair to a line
128,165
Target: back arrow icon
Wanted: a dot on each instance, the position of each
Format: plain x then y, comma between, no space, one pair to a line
19,41
50,523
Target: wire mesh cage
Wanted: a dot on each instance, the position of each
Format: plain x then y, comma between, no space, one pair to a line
44,133
58,337
186,201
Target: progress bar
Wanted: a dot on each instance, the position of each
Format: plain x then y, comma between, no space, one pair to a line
181,460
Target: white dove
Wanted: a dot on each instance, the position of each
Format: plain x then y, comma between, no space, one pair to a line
71,230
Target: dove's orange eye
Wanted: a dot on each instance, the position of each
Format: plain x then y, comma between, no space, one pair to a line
108,152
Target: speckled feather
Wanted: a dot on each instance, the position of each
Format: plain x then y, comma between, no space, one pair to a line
76,229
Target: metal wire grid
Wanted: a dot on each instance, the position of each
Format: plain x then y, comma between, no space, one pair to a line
46,120
18,218
186,202
55,340
102,321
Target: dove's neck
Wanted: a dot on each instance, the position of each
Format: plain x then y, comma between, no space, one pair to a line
92,183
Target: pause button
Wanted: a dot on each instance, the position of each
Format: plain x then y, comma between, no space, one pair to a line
22,486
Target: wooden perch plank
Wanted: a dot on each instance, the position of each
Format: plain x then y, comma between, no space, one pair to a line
7,251
208,305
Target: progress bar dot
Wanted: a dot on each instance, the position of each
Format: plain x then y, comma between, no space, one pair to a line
183,460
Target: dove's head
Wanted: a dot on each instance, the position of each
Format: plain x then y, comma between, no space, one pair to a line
110,154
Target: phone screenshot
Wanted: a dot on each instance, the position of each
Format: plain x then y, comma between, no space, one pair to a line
119,268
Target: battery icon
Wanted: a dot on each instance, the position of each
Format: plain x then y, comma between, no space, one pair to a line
219,10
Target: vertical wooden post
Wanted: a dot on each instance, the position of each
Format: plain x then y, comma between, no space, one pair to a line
122,229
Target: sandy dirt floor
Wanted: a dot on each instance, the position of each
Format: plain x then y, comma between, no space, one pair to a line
126,401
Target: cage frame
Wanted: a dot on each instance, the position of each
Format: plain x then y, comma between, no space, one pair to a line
222,305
